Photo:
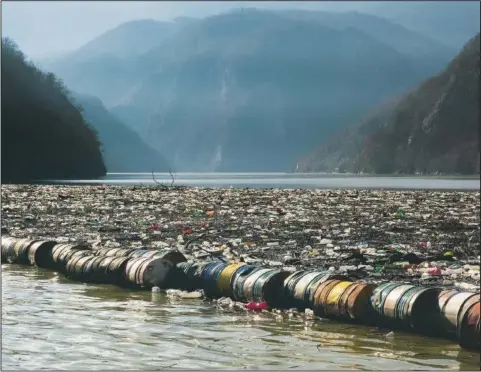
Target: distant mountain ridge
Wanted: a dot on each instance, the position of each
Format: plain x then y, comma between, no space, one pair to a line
253,90
432,129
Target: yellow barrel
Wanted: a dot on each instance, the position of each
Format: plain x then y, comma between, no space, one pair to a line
331,305
225,278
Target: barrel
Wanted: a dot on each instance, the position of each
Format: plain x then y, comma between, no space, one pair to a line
407,306
120,252
320,296
147,272
7,249
354,303
111,270
192,275
224,281
300,286
269,287
171,255
62,253
88,269
19,253
40,253
210,273
469,328
238,280
453,305
75,268
248,285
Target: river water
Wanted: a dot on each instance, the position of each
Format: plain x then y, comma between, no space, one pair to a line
49,322
288,180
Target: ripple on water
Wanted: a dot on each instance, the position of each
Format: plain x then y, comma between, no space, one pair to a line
49,322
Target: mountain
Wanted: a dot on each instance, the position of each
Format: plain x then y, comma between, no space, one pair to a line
105,66
450,22
43,135
253,90
123,149
434,128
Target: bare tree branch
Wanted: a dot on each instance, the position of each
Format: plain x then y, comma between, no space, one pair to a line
157,182
172,176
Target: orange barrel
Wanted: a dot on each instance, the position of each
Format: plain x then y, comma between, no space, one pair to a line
299,287
40,253
407,306
224,280
451,305
469,332
354,303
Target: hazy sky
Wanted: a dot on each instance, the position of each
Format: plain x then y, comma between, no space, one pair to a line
45,28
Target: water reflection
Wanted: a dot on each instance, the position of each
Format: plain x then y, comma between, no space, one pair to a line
50,322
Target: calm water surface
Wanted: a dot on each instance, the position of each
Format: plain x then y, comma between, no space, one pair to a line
49,322
287,180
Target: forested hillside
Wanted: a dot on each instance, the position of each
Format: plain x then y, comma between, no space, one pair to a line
434,128
43,134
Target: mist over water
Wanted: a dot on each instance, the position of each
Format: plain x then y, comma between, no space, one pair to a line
285,180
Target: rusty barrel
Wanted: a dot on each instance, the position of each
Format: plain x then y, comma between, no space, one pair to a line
148,272
346,299
453,305
224,280
300,286
354,303
406,306
469,327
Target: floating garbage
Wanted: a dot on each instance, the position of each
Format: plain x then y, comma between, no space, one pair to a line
425,239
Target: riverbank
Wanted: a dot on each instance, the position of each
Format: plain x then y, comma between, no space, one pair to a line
421,237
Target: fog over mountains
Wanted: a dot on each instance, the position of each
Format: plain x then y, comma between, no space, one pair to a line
259,90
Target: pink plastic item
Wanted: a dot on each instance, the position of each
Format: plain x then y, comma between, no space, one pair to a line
256,305
433,271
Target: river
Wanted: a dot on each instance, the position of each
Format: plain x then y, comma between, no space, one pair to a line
49,322
288,180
